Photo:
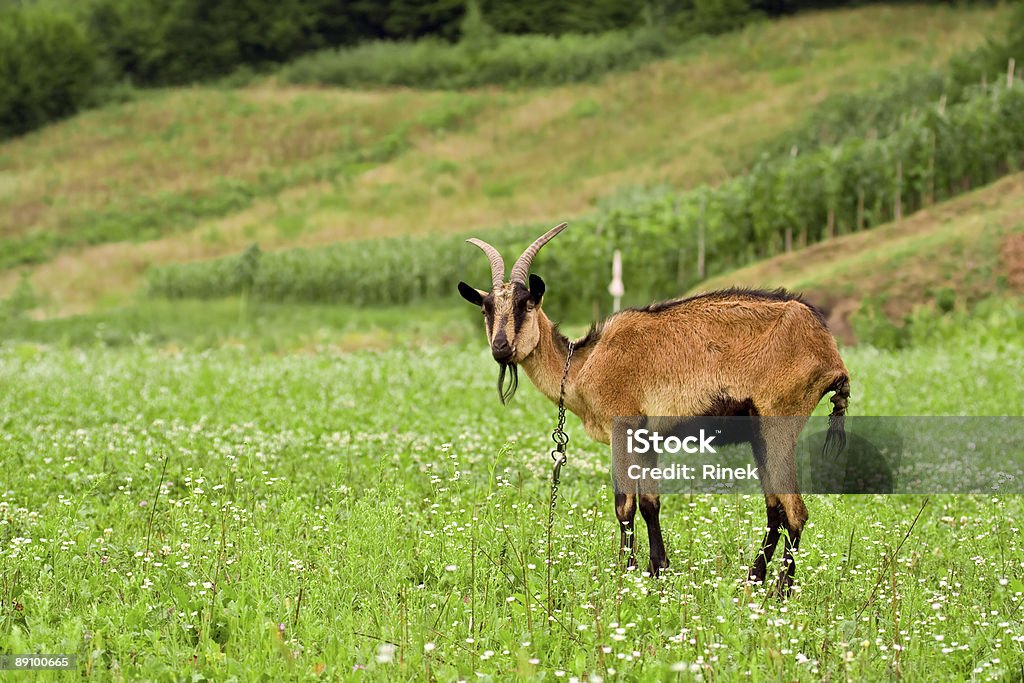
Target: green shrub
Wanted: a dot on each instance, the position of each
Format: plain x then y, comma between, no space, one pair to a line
20,301
47,68
475,34
181,41
508,60
872,326
998,319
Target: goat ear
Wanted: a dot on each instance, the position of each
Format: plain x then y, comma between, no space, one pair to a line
536,288
470,294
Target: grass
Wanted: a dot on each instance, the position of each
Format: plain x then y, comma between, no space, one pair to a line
202,172
196,326
966,248
183,172
377,515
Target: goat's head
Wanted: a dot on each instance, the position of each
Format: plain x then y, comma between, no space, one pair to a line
510,308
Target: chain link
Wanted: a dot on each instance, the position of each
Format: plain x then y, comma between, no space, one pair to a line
558,455
559,436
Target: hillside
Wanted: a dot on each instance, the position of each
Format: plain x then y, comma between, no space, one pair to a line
196,173
953,254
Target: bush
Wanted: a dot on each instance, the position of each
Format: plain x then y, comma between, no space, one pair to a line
555,17
508,60
994,317
180,41
47,68
20,301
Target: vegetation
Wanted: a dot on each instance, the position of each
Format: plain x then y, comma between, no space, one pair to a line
990,60
528,60
883,108
262,327
855,185
483,58
892,285
225,179
47,68
253,488
59,57
191,173
235,513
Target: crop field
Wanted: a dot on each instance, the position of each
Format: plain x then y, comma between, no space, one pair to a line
177,175
235,513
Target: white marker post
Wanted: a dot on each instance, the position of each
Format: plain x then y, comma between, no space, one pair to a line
616,289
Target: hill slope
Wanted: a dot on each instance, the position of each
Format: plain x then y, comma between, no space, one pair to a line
196,173
955,253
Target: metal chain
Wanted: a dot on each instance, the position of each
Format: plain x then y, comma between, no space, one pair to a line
559,436
558,455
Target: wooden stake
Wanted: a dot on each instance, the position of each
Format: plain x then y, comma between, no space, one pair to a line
1009,72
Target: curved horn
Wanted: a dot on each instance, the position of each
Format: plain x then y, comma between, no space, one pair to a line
497,263
522,267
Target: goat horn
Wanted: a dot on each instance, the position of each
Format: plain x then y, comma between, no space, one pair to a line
522,267
497,263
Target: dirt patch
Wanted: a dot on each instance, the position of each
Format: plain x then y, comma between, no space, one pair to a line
1011,257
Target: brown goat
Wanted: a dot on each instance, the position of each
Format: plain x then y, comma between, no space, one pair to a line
733,352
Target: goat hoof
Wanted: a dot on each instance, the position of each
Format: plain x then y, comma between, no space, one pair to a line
758,573
654,567
784,586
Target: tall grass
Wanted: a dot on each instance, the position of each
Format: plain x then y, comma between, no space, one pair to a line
883,109
317,519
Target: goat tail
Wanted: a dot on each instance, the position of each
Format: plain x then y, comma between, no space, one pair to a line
835,438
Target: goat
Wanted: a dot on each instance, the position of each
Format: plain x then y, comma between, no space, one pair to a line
724,353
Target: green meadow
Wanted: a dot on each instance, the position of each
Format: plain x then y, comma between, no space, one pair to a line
233,513
248,432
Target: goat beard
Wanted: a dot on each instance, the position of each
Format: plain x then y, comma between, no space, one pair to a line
506,394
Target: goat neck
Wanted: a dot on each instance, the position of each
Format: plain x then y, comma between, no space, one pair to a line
546,363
